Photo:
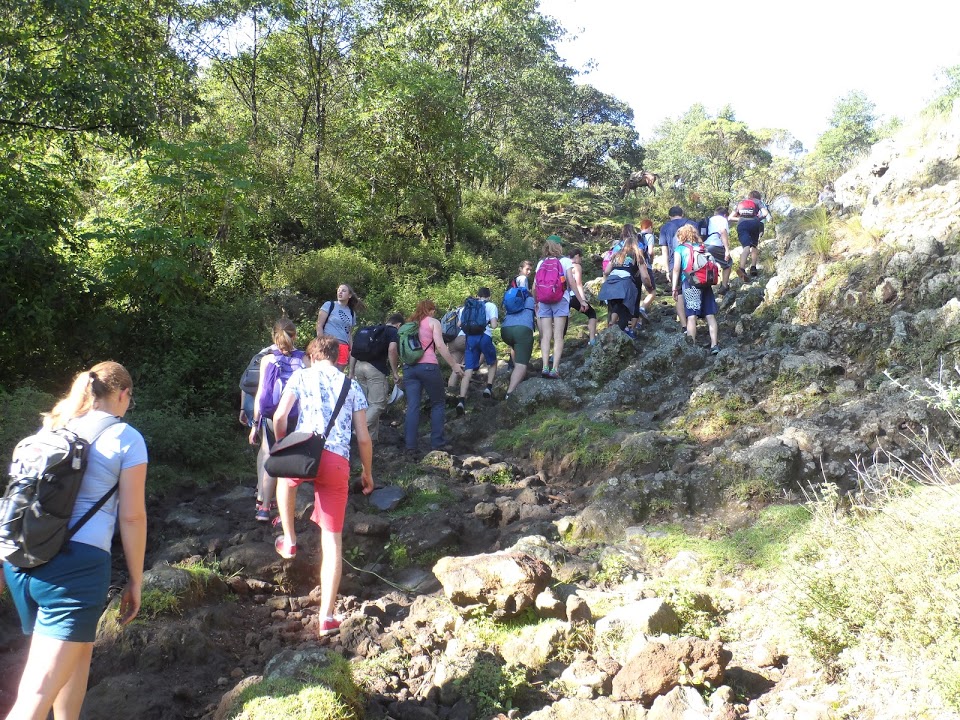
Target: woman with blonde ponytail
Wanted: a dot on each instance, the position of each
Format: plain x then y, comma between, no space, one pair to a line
60,602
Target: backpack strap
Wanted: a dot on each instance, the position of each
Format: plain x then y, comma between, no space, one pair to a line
91,437
344,391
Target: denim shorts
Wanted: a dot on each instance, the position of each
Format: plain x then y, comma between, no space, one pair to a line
64,598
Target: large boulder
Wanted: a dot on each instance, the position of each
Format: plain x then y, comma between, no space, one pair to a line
501,584
602,708
659,667
651,616
772,462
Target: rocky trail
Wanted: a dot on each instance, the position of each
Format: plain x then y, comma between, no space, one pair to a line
513,574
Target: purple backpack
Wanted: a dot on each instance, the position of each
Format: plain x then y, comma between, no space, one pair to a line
275,379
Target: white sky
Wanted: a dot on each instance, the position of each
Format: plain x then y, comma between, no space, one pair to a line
786,68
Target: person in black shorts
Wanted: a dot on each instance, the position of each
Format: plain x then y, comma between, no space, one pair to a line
576,275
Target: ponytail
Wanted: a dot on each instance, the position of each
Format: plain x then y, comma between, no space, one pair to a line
102,380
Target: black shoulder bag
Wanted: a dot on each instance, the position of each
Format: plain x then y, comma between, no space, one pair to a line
298,454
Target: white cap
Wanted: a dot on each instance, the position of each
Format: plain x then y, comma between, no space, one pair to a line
395,395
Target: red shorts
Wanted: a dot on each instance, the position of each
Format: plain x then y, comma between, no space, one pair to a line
343,357
330,489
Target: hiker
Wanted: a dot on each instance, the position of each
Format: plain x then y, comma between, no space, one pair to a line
61,601
647,242
371,369
698,302
717,243
478,321
457,346
337,319
249,382
315,390
523,274
276,368
553,303
668,241
424,374
517,332
575,283
619,288
750,215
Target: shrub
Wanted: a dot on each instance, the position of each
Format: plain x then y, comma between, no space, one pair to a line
21,410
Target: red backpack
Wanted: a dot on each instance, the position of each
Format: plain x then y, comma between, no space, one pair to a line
701,270
549,281
748,208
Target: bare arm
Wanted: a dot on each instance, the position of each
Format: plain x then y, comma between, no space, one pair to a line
575,281
283,412
675,280
321,319
393,357
132,518
365,448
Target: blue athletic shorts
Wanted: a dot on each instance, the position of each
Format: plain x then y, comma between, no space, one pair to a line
64,598
477,345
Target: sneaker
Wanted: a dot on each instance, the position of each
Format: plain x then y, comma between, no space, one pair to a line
630,333
644,314
330,626
263,513
461,408
592,342
545,374
488,393
553,375
715,350
753,271
284,549
276,522
506,397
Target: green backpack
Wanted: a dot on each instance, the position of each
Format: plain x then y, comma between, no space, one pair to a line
411,351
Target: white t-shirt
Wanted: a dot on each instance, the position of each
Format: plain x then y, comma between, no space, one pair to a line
521,282
566,263
718,224
492,314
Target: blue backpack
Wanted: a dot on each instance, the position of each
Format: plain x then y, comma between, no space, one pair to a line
275,380
473,320
515,300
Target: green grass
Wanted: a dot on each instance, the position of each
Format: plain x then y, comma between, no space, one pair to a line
328,692
712,416
759,547
556,433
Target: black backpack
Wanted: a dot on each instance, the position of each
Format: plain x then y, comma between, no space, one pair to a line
45,478
370,343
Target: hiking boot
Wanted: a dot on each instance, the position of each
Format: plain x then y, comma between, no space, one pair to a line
753,271
461,408
715,350
488,393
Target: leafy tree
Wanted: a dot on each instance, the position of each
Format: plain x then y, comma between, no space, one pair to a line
728,151
950,91
852,131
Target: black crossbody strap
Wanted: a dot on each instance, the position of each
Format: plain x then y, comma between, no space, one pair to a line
344,391
99,429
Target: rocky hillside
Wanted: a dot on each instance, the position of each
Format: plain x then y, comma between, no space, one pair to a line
610,545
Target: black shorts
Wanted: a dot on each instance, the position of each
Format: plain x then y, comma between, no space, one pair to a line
575,305
718,252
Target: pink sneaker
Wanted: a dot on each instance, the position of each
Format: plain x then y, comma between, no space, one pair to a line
329,627
285,549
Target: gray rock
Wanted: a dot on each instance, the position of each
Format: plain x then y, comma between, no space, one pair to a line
770,461
645,617
387,498
257,560
601,708
534,645
814,340
681,703
189,588
501,584
187,519
812,364
292,663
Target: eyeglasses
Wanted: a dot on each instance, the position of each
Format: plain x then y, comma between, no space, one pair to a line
133,403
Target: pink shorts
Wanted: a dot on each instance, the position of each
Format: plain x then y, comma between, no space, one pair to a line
343,356
330,489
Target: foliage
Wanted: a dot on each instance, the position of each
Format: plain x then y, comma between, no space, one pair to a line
490,685
943,102
21,416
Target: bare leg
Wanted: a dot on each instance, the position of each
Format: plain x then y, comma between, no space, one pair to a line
755,254
268,484
546,337
712,327
492,371
55,676
557,343
692,326
681,309
465,383
331,565
286,505
516,377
